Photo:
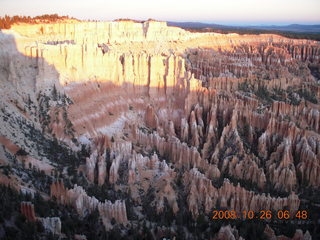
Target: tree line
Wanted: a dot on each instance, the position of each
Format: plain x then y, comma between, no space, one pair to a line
6,22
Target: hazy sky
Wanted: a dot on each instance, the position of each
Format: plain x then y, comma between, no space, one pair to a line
223,11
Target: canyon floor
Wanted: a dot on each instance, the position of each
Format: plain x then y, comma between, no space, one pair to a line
139,130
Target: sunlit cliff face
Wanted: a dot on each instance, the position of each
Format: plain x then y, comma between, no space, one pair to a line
171,106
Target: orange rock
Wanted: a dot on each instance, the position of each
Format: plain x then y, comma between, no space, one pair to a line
27,209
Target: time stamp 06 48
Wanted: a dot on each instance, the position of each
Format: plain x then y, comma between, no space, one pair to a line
262,215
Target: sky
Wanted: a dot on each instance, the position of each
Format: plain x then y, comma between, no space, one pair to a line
230,12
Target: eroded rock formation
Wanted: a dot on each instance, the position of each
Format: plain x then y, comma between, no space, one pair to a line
85,204
172,120
51,224
27,209
96,168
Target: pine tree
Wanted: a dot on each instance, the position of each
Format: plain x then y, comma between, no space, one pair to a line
54,93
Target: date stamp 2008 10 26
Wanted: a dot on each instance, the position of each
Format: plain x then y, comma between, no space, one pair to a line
259,215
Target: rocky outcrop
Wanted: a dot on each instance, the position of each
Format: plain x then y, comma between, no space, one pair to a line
58,191
96,168
228,233
84,204
27,209
238,147
90,166
243,60
305,116
201,192
237,198
309,165
184,129
269,232
151,118
160,180
281,167
179,153
113,174
51,224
